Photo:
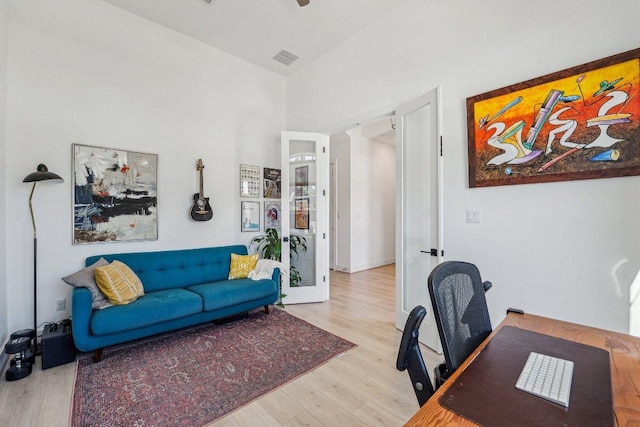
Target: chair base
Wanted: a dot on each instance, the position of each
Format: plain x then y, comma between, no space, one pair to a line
440,375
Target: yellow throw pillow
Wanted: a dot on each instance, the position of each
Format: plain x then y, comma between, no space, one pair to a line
241,265
119,283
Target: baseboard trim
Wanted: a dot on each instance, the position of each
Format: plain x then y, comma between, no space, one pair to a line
345,269
4,358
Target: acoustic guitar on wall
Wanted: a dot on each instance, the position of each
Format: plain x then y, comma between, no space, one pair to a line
201,210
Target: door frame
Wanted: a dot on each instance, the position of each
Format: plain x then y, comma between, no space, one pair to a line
390,111
428,330
320,291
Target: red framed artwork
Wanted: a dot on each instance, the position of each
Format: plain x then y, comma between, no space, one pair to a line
579,123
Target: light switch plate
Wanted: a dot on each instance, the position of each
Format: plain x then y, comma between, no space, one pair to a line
473,216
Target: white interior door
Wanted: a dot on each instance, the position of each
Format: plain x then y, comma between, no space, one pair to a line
333,209
305,216
418,208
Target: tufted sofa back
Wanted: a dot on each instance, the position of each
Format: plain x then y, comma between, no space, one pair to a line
177,268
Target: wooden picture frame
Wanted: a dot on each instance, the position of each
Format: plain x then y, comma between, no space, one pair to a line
579,123
302,214
114,195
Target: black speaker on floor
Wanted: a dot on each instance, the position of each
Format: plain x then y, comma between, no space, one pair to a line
57,344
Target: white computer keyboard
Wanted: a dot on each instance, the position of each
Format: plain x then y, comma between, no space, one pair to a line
547,377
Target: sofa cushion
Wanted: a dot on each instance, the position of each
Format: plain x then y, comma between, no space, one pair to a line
242,265
226,293
152,308
119,283
86,278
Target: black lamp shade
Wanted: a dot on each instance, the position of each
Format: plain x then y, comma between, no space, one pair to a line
42,174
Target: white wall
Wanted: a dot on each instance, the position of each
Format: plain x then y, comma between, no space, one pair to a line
372,202
550,249
83,71
341,156
365,201
4,331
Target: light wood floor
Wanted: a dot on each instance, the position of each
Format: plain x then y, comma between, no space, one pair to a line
360,388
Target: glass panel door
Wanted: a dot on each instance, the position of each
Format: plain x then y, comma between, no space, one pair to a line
305,217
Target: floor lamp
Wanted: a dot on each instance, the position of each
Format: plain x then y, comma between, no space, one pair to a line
41,174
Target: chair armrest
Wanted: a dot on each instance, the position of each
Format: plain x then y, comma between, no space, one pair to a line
81,318
276,275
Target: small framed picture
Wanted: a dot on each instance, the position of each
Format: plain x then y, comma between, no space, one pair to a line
250,216
302,213
272,215
271,183
249,181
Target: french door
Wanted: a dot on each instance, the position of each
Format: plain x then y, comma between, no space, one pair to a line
305,217
419,245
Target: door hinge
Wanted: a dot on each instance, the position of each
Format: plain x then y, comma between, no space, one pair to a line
324,193
323,148
440,145
324,278
324,235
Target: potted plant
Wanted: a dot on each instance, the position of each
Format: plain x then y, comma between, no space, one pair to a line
269,246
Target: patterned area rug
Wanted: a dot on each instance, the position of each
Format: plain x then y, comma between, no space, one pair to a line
194,376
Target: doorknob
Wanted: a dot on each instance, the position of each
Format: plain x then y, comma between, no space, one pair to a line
432,252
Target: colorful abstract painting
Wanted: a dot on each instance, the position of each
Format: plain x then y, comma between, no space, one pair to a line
115,195
579,123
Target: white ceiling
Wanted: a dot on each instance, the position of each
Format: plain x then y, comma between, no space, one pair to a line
256,30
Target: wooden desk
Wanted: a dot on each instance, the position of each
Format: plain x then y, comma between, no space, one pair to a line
625,369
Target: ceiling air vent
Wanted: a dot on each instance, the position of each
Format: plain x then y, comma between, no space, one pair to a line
285,57
207,1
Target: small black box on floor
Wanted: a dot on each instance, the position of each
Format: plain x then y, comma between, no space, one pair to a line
57,344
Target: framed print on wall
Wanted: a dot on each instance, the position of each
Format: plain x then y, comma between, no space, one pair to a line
579,123
271,183
250,216
249,181
302,213
272,215
114,195
301,180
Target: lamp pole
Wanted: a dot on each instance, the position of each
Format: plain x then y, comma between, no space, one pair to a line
41,174
35,261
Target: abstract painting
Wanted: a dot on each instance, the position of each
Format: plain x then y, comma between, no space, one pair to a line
115,195
579,123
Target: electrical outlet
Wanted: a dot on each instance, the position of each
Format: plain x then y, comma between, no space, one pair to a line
61,304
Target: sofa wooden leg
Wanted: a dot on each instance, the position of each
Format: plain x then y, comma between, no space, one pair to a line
97,356
266,309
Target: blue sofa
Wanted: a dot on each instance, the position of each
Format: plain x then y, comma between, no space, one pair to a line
182,288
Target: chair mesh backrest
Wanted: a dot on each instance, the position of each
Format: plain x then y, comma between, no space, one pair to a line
460,308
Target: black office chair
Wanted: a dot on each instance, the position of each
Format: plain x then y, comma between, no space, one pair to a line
410,358
460,309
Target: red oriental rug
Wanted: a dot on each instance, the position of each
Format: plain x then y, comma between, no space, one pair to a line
194,376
